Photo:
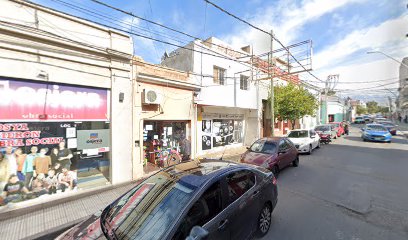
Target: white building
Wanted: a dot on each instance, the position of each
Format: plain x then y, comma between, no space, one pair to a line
227,103
66,79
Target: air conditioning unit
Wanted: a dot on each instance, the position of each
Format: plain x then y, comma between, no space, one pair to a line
151,96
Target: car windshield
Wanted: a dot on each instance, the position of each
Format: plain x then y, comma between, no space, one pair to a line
298,134
376,128
322,128
147,211
263,146
388,124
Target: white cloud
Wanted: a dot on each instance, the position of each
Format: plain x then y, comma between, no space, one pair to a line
388,33
286,18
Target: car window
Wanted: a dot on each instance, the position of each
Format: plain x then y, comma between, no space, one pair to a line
289,143
283,145
202,211
238,183
298,134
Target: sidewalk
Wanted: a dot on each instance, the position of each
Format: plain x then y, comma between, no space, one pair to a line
49,219
402,128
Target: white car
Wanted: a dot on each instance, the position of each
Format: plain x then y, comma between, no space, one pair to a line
304,140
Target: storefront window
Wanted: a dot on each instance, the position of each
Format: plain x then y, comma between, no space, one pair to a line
221,132
53,139
163,140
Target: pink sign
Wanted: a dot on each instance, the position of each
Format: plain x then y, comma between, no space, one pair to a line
32,101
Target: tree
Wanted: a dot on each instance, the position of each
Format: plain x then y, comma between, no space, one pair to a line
361,110
292,102
372,107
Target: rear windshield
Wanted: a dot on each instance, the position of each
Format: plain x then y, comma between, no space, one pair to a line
298,134
263,147
376,128
322,128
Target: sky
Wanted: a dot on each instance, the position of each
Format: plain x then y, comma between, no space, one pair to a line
342,32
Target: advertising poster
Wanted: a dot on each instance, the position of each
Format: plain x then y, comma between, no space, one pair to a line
206,134
93,139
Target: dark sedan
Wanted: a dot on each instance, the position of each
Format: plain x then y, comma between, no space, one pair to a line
226,200
272,153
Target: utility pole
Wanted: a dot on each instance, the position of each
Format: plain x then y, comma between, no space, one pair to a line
270,73
326,89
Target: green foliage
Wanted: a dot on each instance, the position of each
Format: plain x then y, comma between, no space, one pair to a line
372,107
292,102
361,110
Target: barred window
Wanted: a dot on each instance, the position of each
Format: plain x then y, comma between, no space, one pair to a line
219,75
243,83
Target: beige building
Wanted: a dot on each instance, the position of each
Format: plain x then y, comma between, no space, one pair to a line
164,113
63,79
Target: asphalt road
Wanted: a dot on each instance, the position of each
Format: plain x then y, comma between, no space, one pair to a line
349,189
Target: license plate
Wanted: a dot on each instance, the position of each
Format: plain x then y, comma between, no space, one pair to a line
378,138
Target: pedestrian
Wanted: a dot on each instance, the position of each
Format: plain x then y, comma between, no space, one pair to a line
20,157
14,190
42,162
4,172
28,167
64,155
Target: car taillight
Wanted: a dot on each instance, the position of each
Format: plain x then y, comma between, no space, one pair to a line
274,181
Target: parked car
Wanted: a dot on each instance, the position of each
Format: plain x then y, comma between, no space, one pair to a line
272,153
375,132
226,200
367,119
305,140
359,120
392,128
379,119
338,128
325,132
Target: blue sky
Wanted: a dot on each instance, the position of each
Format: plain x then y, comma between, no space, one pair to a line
342,31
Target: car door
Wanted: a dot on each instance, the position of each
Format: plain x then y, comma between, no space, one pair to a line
283,154
242,203
313,138
292,150
206,211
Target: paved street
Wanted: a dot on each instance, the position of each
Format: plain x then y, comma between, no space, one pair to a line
347,190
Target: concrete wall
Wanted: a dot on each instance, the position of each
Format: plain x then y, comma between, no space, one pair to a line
72,51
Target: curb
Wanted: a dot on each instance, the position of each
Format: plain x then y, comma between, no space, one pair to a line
11,213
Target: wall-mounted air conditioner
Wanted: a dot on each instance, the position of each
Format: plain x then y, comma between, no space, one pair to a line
151,96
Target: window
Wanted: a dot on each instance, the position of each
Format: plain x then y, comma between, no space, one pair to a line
243,83
283,146
203,210
263,147
239,183
219,76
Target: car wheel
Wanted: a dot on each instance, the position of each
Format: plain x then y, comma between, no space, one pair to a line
295,162
310,149
264,220
275,171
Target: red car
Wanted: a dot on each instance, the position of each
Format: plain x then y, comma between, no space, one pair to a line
272,153
338,128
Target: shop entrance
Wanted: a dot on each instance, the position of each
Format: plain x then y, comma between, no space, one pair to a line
166,142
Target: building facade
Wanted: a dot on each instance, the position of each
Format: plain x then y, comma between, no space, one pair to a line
333,109
66,89
402,100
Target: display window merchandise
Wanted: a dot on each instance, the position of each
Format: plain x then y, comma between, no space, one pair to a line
166,142
55,148
220,132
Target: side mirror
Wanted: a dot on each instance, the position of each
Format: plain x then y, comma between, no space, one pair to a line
197,233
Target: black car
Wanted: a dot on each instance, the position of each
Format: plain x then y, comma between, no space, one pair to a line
228,200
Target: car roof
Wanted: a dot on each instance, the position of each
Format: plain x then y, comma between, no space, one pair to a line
272,139
197,172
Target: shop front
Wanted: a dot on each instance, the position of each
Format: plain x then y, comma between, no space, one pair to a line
221,128
54,137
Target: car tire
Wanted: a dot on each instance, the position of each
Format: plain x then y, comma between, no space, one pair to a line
310,149
264,220
275,171
295,162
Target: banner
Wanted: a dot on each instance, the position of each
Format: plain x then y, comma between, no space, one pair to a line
38,101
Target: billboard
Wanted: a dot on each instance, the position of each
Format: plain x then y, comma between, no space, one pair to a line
39,101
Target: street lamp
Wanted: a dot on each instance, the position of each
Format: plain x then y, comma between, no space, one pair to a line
403,64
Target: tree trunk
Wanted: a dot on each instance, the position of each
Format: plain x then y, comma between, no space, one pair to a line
293,122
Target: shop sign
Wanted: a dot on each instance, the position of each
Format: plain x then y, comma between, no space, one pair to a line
222,116
34,101
20,134
93,139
